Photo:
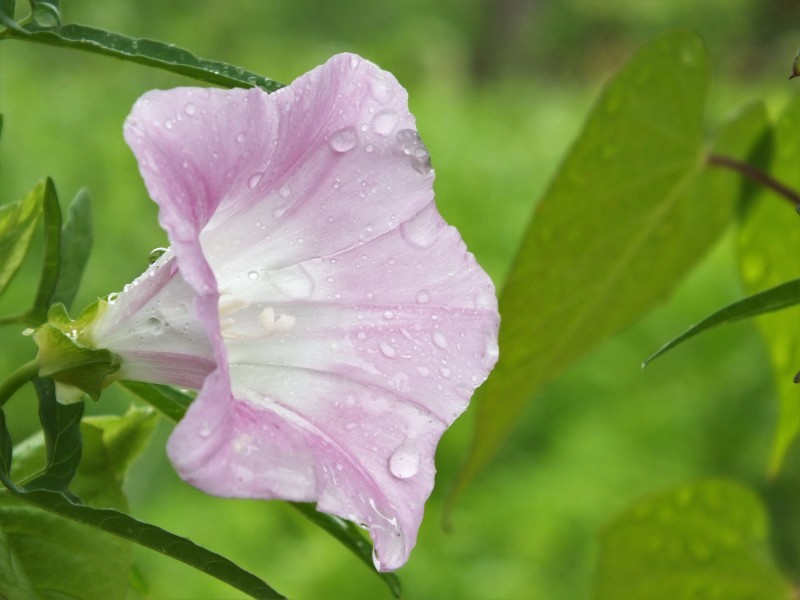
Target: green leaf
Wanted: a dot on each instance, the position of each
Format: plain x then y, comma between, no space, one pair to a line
777,298
145,52
17,224
76,245
51,263
173,404
124,526
351,537
704,540
621,224
46,557
62,436
167,400
768,244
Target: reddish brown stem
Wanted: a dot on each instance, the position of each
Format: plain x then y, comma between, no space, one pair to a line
756,175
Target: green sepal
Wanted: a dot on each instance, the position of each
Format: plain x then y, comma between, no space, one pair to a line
66,354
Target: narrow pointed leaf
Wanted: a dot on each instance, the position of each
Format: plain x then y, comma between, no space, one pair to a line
17,224
626,217
167,400
768,247
76,245
145,52
51,263
777,298
350,536
703,540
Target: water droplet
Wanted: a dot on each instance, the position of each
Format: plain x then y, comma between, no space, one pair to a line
294,282
369,148
424,371
169,123
404,462
112,297
387,314
155,254
380,88
255,178
422,229
285,191
491,351
344,139
154,325
445,371
350,426
190,109
423,297
354,62
439,340
388,350
240,137
335,185
384,121
412,146
252,275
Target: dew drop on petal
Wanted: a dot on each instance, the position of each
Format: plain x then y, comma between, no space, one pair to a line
240,137
252,275
384,121
255,178
285,191
380,89
154,325
190,109
411,144
423,297
404,462
388,350
388,315
491,351
294,282
422,229
439,340
344,140
354,61
112,297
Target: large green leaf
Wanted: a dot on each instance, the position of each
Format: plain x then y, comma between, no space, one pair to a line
142,51
76,245
17,224
768,253
704,540
630,211
778,298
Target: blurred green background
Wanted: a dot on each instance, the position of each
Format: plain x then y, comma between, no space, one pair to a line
500,88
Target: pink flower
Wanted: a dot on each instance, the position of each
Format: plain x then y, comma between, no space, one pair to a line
333,322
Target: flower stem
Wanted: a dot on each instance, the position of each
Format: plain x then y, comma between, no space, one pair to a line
17,379
756,175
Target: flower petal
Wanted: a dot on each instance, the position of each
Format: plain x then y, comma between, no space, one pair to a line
348,323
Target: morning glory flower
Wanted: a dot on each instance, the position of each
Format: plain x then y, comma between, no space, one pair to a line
333,323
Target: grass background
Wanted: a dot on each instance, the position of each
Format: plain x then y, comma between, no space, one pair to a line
500,89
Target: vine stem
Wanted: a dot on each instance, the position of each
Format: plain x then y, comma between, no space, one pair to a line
756,175
17,379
